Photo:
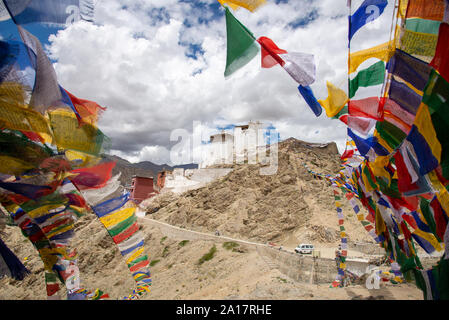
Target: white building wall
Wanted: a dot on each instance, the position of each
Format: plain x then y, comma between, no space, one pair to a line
192,179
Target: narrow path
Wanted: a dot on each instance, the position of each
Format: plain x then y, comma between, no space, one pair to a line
200,235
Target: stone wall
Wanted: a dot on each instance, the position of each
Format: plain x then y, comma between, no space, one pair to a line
367,248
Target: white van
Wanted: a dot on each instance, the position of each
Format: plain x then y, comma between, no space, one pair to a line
304,248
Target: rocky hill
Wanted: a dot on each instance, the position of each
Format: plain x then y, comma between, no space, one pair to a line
288,207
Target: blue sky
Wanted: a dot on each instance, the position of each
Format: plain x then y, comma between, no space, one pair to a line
157,66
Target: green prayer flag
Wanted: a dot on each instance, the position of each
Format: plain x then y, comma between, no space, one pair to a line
436,97
390,133
371,76
424,205
423,25
241,44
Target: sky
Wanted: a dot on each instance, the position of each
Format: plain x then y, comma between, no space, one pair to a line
158,66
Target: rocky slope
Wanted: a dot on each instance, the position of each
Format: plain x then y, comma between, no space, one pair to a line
288,207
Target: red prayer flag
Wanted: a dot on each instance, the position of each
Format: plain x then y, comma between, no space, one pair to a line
93,177
269,53
366,108
88,110
440,61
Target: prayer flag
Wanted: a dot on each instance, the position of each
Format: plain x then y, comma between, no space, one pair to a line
368,11
431,10
382,52
370,76
440,60
414,71
423,138
93,177
62,12
241,46
250,5
89,111
308,96
300,66
335,101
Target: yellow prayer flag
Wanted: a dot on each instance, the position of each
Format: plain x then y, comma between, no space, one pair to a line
382,52
442,193
134,255
402,8
430,238
423,122
335,100
18,117
69,135
418,43
43,210
250,5
12,93
378,167
380,224
82,159
117,217
13,166
382,142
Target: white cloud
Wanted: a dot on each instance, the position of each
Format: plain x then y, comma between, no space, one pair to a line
133,61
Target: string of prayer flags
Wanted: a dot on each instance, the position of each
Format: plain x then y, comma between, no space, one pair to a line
368,11
50,143
119,219
300,66
241,45
251,5
84,294
61,12
341,258
403,176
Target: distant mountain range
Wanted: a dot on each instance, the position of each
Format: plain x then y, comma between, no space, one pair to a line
143,169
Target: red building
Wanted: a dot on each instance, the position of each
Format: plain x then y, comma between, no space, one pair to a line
141,188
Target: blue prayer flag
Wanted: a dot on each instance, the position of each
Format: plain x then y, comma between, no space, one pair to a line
368,11
308,96
61,12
